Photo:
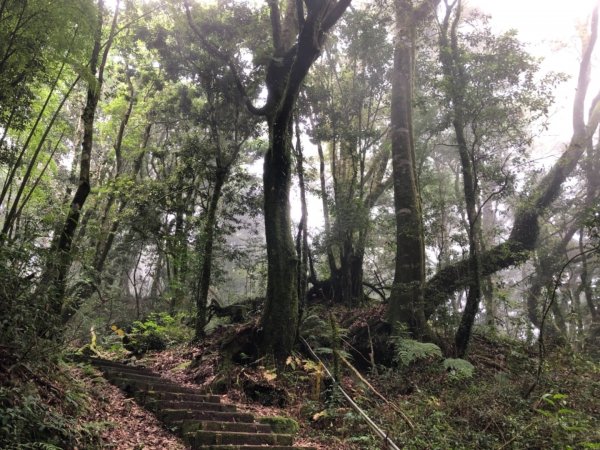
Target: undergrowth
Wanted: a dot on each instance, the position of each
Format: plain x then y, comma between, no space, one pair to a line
41,407
40,403
447,403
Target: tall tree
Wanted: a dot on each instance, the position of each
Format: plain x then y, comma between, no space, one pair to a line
291,58
492,104
59,261
406,300
349,102
454,75
41,46
229,128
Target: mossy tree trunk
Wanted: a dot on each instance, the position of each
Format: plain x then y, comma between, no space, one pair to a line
285,75
406,304
280,318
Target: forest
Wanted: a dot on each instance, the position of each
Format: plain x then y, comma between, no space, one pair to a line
283,201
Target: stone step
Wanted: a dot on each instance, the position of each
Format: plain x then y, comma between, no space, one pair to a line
189,426
98,362
159,405
152,378
203,421
140,371
177,415
148,396
116,376
132,385
200,438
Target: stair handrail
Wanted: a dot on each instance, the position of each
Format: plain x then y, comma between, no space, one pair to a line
378,431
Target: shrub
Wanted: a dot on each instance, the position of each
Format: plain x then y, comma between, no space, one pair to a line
156,332
39,416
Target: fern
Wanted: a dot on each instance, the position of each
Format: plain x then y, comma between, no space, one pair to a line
314,328
459,368
319,331
409,350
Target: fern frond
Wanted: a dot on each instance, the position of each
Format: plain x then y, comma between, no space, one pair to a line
409,350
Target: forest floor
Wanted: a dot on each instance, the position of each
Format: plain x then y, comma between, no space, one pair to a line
484,409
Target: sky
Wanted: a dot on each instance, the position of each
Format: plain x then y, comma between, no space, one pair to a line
536,19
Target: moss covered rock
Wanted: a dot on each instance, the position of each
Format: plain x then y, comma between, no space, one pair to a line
280,424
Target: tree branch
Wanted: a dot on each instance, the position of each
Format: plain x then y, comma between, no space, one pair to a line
275,16
215,52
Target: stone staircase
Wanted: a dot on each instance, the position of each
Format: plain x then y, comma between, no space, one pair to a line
200,419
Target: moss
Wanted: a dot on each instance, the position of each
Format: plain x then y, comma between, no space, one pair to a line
281,424
181,367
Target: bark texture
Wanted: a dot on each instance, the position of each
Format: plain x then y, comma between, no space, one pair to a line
406,300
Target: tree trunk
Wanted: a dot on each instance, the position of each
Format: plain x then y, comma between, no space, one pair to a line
280,317
284,78
286,72
302,236
487,284
179,253
326,218
406,304
104,246
205,250
453,71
